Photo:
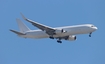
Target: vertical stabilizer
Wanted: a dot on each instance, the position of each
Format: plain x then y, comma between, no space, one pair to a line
23,28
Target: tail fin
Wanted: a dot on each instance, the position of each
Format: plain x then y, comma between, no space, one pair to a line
22,26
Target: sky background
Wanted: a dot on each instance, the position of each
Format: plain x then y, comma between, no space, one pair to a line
54,13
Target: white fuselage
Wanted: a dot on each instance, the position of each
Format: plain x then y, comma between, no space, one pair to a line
71,30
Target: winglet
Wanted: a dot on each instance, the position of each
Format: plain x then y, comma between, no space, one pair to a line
26,18
23,16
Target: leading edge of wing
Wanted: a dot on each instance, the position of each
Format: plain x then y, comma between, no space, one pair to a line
36,24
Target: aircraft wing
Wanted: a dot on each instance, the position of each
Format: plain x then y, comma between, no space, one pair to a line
38,25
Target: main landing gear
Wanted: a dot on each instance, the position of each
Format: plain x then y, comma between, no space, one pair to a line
90,34
51,37
59,39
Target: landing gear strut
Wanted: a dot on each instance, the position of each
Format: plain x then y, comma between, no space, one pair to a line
90,34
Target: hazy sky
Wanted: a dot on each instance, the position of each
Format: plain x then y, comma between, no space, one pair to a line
54,13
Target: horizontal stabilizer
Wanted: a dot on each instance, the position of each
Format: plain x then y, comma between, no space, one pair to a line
16,32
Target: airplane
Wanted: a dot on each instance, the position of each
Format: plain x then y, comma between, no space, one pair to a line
60,33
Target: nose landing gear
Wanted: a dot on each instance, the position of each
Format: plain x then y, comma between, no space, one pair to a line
90,34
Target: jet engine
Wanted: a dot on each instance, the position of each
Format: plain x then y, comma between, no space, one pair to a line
71,38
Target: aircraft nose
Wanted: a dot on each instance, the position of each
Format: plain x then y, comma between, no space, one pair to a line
95,28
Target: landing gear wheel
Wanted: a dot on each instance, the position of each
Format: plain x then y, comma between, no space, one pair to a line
51,37
59,41
90,34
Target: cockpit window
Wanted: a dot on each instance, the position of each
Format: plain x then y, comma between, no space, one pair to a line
92,26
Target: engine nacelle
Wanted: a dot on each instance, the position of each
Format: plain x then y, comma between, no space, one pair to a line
60,31
72,38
